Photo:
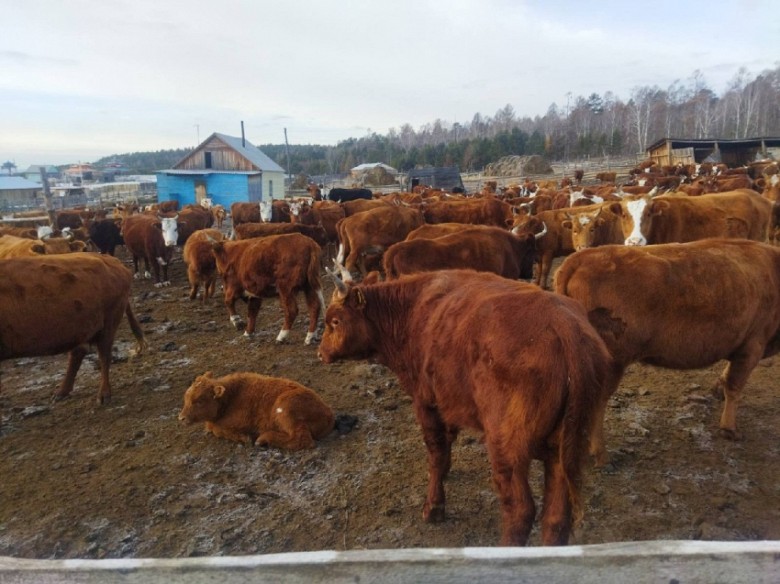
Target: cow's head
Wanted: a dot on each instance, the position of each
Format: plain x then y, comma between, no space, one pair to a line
170,230
583,228
348,333
202,400
636,217
266,211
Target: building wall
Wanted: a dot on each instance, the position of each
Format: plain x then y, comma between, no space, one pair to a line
223,157
18,199
224,189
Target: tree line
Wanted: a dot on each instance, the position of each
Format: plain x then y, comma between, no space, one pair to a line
586,127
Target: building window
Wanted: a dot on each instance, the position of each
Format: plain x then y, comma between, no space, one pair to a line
271,189
207,161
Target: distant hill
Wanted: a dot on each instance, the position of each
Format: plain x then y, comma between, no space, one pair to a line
145,162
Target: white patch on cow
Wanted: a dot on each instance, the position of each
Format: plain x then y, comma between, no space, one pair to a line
279,410
340,254
170,230
295,208
635,210
44,231
248,334
283,334
641,182
774,180
148,275
206,203
584,220
161,261
137,276
266,211
309,338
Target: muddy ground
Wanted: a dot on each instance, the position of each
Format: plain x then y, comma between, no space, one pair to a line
129,480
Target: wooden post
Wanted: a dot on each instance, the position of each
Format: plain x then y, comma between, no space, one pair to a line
47,196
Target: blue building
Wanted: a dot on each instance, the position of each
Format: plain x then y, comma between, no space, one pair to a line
224,168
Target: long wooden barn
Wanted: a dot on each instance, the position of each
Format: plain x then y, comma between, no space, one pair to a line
224,168
671,151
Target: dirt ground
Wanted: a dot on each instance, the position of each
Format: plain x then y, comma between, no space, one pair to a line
128,479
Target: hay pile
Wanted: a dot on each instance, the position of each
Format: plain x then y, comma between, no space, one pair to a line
518,166
378,176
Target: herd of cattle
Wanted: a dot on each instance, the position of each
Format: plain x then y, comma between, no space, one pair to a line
676,267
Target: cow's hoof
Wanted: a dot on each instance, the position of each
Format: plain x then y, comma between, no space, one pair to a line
434,514
158,284
59,396
730,434
248,335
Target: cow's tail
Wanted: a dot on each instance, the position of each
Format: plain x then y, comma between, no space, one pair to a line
313,275
587,364
136,328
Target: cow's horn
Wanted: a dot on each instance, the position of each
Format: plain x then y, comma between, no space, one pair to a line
542,232
341,288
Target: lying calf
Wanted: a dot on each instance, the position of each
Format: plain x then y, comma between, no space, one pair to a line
248,407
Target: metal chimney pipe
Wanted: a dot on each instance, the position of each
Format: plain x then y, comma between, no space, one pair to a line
243,140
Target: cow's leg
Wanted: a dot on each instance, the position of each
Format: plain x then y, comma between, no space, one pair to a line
438,438
194,279
544,269
208,287
147,272
230,304
556,507
510,478
288,433
290,309
252,309
315,301
733,380
104,345
598,449
75,357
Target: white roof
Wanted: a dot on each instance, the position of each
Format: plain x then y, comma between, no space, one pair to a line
14,183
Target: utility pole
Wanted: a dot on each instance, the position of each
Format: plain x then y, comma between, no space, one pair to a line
287,150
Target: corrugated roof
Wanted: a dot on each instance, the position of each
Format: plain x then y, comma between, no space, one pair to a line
206,171
10,183
250,152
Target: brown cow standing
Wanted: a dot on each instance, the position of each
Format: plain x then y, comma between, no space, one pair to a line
56,304
201,265
252,408
15,247
681,306
483,211
253,267
479,247
372,232
475,350
153,240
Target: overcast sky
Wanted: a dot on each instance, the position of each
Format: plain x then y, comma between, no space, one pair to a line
83,79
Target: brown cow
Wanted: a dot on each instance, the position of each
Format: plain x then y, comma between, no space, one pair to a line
482,211
480,247
257,409
474,350
681,306
254,230
552,230
241,212
219,214
372,232
606,177
679,218
16,247
64,303
253,267
201,266
153,240
191,219
595,227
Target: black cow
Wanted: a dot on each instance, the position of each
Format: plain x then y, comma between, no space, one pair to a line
343,195
106,235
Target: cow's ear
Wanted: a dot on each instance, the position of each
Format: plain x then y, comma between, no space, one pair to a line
617,209
207,375
158,225
659,207
38,248
219,391
78,246
566,224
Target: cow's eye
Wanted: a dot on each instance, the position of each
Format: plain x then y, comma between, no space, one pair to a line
334,322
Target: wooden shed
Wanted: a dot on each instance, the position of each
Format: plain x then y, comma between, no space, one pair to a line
224,168
671,151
